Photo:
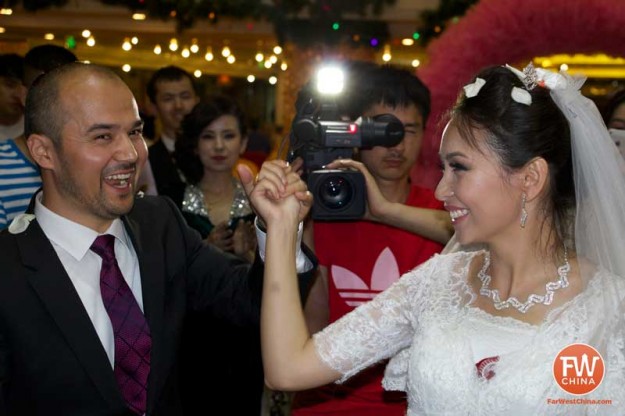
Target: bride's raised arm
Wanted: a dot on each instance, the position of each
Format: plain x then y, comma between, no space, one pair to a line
291,358
281,199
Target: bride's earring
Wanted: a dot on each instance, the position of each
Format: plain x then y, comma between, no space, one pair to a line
523,212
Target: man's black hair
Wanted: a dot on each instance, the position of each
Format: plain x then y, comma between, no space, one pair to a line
47,57
11,66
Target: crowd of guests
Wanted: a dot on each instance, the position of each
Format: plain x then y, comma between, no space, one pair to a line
20,175
369,303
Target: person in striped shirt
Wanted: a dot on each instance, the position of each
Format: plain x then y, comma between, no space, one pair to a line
12,95
19,175
19,179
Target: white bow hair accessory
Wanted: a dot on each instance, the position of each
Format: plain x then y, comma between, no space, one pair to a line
471,90
530,77
521,96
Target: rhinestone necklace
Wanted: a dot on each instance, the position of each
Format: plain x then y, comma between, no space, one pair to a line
532,299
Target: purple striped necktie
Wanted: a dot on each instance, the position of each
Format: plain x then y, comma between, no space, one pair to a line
133,342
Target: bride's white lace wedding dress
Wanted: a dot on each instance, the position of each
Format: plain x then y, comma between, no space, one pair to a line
427,324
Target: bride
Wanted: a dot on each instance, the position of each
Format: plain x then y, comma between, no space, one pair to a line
531,174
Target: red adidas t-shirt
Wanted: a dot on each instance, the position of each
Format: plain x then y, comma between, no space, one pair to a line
364,258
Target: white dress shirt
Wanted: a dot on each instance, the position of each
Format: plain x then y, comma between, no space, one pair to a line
302,263
72,243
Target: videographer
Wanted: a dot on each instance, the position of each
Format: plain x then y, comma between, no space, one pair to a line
403,226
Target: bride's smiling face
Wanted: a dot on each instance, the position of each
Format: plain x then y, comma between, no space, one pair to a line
479,194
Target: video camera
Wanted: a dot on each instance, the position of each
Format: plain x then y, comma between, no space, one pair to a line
320,134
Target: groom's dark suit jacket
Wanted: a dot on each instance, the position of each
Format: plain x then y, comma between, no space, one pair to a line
51,359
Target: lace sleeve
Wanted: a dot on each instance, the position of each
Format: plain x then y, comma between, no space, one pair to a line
375,330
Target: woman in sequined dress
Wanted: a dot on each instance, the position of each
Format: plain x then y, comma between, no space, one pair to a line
212,138
530,172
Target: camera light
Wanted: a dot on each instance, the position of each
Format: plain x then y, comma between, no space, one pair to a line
353,128
330,80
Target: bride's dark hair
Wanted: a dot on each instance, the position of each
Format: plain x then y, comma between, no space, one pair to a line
518,133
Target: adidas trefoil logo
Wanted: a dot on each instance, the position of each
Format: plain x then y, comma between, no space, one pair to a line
355,291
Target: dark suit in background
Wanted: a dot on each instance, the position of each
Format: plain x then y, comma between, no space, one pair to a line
166,176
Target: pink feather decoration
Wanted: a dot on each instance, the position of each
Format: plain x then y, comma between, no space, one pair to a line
496,32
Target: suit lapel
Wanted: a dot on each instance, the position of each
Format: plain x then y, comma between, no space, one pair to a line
152,285
48,278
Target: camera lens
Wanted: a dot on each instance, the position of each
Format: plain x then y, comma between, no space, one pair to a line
335,192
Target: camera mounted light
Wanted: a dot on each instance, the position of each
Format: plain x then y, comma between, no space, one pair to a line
330,80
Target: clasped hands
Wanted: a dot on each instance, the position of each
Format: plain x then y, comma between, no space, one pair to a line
277,193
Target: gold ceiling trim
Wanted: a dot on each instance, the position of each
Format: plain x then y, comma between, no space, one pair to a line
592,66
